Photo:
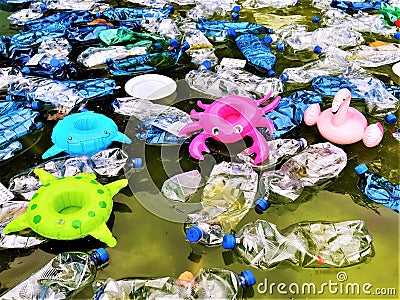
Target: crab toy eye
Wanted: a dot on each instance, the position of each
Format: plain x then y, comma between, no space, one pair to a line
238,128
215,131
70,138
105,132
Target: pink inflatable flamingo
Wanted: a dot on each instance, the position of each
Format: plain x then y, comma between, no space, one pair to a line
342,124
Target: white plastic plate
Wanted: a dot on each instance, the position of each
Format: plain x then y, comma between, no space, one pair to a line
150,86
396,69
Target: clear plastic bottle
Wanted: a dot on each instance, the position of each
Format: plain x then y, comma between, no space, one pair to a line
65,275
307,244
48,66
378,188
259,86
209,8
208,82
135,13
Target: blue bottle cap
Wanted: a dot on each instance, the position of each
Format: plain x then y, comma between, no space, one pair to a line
284,77
280,46
315,19
391,118
42,6
25,70
397,35
317,49
137,162
360,169
171,9
271,73
268,40
185,45
39,125
261,204
228,241
231,32
54,62
101,255
206,64
235,16
36,105
173,42
236,8
248,278
194,234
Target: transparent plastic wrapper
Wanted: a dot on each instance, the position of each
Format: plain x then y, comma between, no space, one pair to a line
181,186
279,149
57,48
166,27
16,124
9,150
259,86
145,63
93,6
306,244
257,53
314,165
380,103
227,197
360,21
255,4
377,188
215,86
297,37
328,65
214,283
106,163
375,54
289,112
61,278
9,210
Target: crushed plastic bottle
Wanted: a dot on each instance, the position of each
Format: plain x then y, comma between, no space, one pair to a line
279,149
227,197
257,53
181,186
377,188
214,283
255,4
375,54
306,244
34,11
289,112
8,211
105,163
213,85
65,275
360,21
355,6
210,8
135,13
57,48
314,165
218,30
379,102
259,86
146,63
90,5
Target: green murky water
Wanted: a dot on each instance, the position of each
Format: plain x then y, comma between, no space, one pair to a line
150,246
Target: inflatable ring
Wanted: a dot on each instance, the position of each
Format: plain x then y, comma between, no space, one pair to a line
84,133
69,208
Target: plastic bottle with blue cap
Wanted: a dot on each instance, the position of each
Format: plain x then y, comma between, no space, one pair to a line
306,244
377,188
48,66
135,13
77,268
205,232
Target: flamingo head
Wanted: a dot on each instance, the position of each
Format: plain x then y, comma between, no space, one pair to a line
341,96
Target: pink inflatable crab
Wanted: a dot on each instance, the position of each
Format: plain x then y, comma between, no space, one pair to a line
228,120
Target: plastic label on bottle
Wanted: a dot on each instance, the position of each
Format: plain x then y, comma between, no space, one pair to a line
233,62
34,60
5,194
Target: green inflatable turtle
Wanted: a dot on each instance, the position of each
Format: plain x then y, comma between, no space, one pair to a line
69,208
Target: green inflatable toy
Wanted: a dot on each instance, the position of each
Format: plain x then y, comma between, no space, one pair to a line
69,208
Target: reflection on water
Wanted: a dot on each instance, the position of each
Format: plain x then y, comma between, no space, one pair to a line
152,246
